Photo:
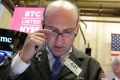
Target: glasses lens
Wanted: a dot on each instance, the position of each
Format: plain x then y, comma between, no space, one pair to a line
65,34
68,34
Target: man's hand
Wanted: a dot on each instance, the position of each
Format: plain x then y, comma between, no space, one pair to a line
37,38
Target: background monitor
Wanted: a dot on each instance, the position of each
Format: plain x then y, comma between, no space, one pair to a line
11,41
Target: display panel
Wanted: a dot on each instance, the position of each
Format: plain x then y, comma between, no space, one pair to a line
11,41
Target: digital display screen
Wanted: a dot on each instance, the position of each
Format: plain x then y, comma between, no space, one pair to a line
10,42
4,54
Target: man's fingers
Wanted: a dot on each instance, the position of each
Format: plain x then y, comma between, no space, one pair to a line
41,33
37,38
38,35
45,31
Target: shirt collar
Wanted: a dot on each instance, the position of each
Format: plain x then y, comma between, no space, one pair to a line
50,56
116,78
63,57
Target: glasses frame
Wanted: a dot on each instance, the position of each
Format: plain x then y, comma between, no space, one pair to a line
57,33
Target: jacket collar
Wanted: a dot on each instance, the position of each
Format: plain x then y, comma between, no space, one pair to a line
43,63
77,58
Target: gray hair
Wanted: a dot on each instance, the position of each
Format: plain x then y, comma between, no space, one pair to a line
116,60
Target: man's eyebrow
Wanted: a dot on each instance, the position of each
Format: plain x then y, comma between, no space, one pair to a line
51,27
70,29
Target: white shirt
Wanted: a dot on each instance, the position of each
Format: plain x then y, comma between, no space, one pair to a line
18,66
52,59
116,78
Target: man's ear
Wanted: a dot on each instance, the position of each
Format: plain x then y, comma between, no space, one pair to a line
77,28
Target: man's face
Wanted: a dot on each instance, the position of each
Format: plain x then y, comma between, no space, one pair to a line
116,70
63,27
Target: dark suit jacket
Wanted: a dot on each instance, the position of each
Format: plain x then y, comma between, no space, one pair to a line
39,70
113,78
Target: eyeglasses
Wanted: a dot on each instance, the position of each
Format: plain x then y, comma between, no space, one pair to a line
67,33
64,34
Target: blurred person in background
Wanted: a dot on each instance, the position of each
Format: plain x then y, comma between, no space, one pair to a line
116,68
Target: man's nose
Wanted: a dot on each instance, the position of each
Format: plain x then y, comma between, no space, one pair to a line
59,40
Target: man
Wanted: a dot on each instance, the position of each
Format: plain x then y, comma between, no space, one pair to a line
116,68
48,54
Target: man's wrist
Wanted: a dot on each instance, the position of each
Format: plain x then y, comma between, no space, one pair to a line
25,60
18,66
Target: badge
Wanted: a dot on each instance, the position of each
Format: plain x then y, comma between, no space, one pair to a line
73,67
38,56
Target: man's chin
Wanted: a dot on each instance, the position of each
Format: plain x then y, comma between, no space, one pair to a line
57,53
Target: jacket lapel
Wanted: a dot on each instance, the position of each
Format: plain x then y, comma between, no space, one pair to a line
66,71
78,58
43,64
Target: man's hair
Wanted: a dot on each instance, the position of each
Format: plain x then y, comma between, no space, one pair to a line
115,61
62,4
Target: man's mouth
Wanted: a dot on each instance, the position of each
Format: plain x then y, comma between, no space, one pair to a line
59,48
